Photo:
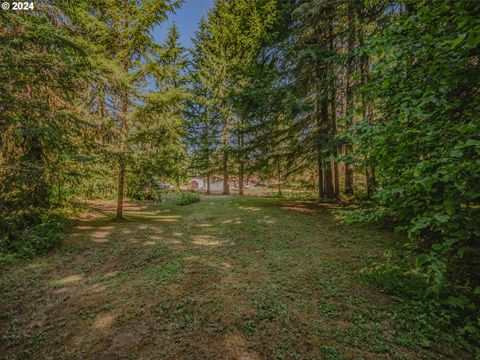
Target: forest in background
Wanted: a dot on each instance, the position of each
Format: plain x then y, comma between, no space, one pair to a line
371,103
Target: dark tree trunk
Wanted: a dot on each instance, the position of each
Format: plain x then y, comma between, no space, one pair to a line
349,101
329,190
123,148
242,166
226,187
320,188
240,180
336,179
370,175
333,115
366,109
279,177
208,183
101,114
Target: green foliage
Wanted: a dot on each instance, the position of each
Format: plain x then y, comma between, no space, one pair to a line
423,137
40,138
424,317
331,353
226,45
25,234
187,198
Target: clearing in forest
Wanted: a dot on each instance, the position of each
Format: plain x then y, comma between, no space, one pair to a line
225,278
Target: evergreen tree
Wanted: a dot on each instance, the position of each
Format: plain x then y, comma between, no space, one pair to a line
202,116
158,124
131,23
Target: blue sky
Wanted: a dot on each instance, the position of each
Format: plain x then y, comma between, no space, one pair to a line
186,18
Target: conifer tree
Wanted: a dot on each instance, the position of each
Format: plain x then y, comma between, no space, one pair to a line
131,23
45,67
158,124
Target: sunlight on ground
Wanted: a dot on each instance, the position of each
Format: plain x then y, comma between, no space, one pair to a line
172,241
110,274
149,243
101,236
68,280
298,208
166,218
204,225
249,208
103,321
85,227
95,288
205,240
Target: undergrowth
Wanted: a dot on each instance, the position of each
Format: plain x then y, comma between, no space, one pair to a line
187,198
425,317
28,233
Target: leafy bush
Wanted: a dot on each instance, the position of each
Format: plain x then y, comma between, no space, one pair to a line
423,141
25,234
187,198
424,316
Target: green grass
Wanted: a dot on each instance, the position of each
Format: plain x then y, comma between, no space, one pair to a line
224,277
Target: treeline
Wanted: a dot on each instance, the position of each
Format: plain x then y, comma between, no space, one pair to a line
91,107
376,98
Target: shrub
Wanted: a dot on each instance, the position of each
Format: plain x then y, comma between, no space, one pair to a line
28,233
187,198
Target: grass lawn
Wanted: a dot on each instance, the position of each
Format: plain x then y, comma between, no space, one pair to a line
224,278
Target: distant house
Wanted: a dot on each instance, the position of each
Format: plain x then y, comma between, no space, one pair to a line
216,183
196,184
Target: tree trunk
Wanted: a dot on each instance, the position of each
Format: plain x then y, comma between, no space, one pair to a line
279,177
370,175
333,115
366,109
320,176
336,179
242,166
101,113
208,183
329,190
226,187
349,101
333,132
240,179
123,148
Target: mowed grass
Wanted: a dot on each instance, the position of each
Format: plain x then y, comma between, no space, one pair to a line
226,278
